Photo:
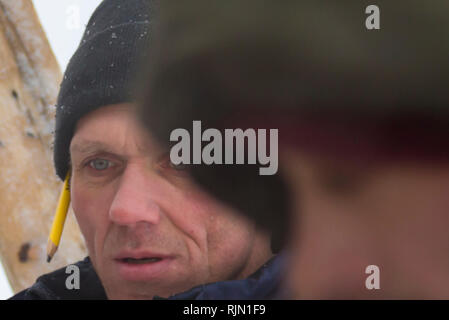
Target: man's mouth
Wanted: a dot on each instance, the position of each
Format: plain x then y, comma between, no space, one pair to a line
142,266
140,261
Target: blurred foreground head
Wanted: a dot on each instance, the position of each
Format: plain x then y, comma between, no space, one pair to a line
363,120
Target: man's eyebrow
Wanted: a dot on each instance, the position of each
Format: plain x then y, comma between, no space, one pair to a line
90,146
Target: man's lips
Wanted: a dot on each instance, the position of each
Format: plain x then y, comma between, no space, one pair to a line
142,265
140,261
140,255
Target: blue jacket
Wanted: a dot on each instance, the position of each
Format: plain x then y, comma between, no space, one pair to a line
263,284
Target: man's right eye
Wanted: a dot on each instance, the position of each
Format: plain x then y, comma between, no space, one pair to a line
100,164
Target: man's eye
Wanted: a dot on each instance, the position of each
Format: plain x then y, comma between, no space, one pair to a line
100,164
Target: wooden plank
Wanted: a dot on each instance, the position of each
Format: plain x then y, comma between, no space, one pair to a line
29,81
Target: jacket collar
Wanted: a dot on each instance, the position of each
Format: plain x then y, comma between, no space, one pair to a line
261,285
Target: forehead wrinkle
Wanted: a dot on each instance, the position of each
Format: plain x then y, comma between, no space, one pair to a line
129,138
89,146
143,147
132,139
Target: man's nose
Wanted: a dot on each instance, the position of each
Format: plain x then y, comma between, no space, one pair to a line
134,200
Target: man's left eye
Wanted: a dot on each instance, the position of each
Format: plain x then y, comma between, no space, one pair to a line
100,164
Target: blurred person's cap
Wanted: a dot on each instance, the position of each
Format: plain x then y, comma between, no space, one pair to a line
273,64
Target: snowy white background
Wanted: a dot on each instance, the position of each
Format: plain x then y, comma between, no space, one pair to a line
64,22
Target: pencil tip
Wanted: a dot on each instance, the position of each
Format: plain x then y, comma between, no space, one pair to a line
48,259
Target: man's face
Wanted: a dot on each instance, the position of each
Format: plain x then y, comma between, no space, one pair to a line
351,215
148,229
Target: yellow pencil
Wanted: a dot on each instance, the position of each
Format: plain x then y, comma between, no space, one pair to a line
58,222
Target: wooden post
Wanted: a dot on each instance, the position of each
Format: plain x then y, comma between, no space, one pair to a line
29,189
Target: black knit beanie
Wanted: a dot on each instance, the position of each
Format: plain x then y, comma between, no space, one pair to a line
102,70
